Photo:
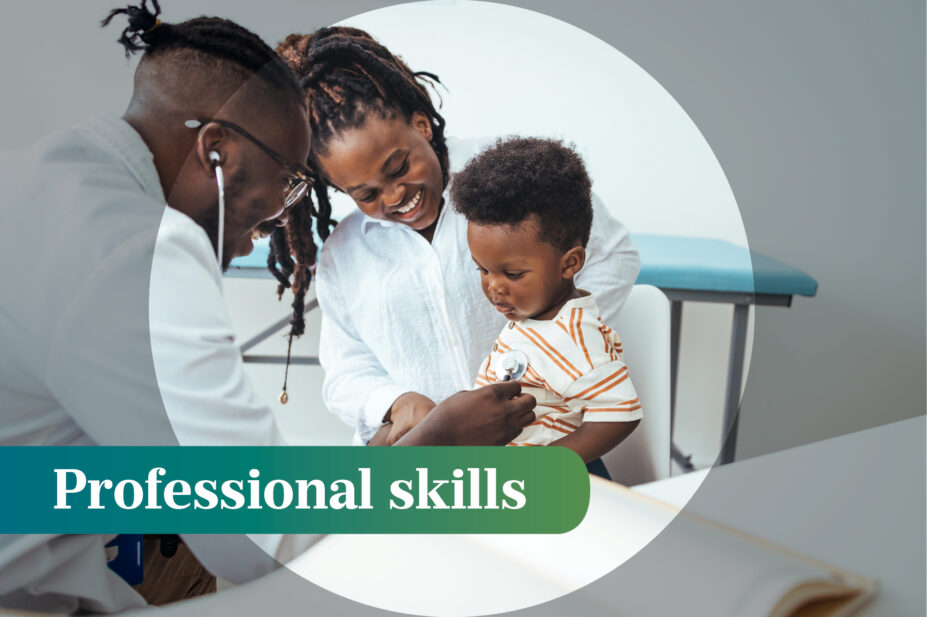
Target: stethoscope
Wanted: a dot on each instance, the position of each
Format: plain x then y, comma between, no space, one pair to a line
514,363
216,159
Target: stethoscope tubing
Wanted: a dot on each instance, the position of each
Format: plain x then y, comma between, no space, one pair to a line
220,181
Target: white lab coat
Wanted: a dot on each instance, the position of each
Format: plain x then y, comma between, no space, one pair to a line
77,365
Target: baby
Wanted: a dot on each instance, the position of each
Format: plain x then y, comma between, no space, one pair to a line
529,207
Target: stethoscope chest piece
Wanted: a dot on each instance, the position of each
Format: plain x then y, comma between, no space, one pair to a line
514,363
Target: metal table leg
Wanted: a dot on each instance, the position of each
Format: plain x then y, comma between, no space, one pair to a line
675,328
266,333
735,374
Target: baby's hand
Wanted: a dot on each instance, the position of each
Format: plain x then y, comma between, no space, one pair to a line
407,411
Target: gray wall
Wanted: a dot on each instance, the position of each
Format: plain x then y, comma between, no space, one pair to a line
815,111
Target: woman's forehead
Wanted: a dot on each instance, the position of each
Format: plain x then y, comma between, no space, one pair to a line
363,151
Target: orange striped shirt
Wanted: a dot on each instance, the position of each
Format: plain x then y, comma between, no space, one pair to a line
575,371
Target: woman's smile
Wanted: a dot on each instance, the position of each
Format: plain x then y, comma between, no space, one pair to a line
411,209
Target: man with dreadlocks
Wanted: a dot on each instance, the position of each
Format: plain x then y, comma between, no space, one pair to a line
404,321
100,339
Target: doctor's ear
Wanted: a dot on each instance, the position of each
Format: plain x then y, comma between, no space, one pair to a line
213,148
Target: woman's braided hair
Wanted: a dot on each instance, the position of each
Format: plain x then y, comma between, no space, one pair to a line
346,75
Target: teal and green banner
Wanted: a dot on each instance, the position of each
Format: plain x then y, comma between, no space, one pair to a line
291,490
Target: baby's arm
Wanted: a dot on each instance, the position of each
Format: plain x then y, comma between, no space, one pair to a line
593,439
605,396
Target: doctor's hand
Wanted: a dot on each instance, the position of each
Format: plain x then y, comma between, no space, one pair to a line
489,416
407,411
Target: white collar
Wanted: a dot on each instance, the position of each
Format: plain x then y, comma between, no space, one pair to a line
369,221
129,146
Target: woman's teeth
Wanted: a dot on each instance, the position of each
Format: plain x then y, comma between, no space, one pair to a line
411,205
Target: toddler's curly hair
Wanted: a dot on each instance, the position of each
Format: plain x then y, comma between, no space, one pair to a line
526,177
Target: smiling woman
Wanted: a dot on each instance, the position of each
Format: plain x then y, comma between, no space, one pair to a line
404,321
406,186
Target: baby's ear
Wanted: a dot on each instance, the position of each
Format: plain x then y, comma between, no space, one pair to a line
572,262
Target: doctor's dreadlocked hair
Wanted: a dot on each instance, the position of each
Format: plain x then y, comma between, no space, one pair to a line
227,41
214,36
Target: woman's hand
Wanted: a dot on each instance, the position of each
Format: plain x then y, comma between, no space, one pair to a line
381,436
407,411
489,416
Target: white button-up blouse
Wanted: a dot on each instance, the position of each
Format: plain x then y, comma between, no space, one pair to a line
400,314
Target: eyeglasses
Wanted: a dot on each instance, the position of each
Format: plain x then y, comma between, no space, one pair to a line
301,180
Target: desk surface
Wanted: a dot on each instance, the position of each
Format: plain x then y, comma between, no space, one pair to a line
855,501
667,262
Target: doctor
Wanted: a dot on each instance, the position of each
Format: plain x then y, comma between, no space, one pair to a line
113,326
